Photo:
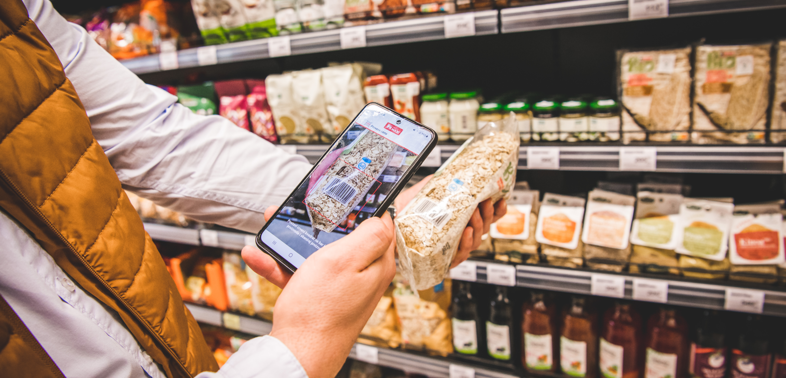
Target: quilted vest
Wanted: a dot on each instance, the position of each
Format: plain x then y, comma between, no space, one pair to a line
56,181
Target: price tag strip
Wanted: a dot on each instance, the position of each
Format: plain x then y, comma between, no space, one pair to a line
643,9
458,371
542,157
168,61
208,238
638,158
466,271
744,300
354,37
367,354
230,321
608,285
650,290
460,25
207,55
499,274
279,46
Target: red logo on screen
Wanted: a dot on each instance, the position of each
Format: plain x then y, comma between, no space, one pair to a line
393,129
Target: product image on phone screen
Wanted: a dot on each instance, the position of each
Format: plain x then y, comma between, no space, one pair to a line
351,182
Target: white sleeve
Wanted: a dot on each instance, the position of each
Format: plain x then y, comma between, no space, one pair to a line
260,358
204,167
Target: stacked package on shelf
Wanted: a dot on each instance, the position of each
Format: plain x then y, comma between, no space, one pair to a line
778,114
559,229
148,210
654,233
702,237
513,235
381,329
200,99
199,278
222,21
607,223
247,292
756,242
424,317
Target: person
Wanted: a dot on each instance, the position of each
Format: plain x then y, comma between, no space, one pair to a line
83,289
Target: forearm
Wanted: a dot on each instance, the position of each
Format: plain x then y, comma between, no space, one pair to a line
260,357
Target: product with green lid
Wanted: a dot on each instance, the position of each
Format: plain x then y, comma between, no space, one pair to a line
545,120
604,120
489,112
523,118
434,114
463,112
573,122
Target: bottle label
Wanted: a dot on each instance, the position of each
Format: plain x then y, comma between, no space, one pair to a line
498,340
605,125
660,365
573,357
545,125
707,362
465,337
537,351
749,366
610,359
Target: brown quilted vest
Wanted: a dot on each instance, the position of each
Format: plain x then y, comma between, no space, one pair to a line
57,183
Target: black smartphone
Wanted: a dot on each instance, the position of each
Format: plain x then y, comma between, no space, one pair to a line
358,177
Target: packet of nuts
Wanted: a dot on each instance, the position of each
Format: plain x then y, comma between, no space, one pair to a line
429,228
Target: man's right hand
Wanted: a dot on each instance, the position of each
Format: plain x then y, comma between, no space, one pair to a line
326,303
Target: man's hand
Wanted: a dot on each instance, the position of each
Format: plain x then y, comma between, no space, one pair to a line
326,303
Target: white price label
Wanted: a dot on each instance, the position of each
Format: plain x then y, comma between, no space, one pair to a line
367,353
638,158
744,300
744,65
279,46
230,321
542,157
209,238
608,286
641,9
250,240
168,60
289,148
459,25
353,37
650,290
499,274
458,371
207,55
466,271
434,159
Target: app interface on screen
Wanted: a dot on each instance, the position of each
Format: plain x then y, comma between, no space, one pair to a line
349,184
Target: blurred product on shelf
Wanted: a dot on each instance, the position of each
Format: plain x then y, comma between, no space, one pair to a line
573,121
523,118
247,292
223,342
260,18
434,114
199,278
377,89
667,345
423,316
405,94
752,355
708,351
152,212
607,223
382,328
308,97
514,234
463,113
287,17
559,229
545,120
232,102
579,341
756,243
209,21
604,120
259,112
539,326
621,339
465,321
732,90
201,98
343,86
778,114
779,365
704,228
654,233
696,267
489,112
499,327
655,91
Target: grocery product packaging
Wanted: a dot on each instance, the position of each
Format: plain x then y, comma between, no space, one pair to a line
286,114
377,89
237,283
381,328
343,94
209,21
405,92
259,112
232,101
778,116
201,99
654,88
357,9
645,259
429,228
656,187
264,294
704,228
514,234
233,19
260,18
309,99
732,93
424,316
653,234
606,233
756,237
559,228
287,17
199,278
697,267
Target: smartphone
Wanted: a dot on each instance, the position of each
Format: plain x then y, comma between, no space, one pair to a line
358,177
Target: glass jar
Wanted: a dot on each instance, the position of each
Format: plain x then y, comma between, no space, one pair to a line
405,90
545,121
604,120
489,112
434,114
463,112
523,119
573,121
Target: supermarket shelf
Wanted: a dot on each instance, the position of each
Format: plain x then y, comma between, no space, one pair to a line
595,12
388,33
410,362
172,233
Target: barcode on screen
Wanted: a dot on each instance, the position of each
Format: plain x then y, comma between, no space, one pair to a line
340,190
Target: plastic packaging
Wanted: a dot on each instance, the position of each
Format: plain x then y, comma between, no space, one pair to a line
515,232
308,97
377,89
559,230
405,91
259,112
287,19
233,20
704,228
260,18
285,113
233,104
381,328
424,316
343,93
201,99
607,229
756,235
778,116
428,230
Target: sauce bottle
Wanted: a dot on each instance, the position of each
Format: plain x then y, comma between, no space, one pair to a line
621,342
465,320
499,325
405,91
573,121
579,341
545,121
667,345
540,334
377,89
751,358
708,350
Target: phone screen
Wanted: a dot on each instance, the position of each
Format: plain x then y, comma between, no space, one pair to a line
351,182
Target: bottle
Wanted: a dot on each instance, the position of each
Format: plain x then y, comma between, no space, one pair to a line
708,350
499,325
545,121
667,345
604,120
523,119
573,121
434,114
405,90
620,342
540,334
750,357
377,89
463,111
465,320
489,112
579,341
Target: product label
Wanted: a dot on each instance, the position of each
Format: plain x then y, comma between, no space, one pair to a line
498,340
573,357
524,125
465,337
437,120
538,352
605,125
707,362
403,101
545,125
610,359
660,365
377,93
749,366
573,125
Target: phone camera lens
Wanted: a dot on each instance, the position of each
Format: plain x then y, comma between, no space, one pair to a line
398,121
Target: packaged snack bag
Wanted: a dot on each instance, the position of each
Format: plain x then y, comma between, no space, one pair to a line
286,115
232,19
381,328
237,283
209,21
607,229
343,94
778,116
201,99
263,294
259,112
514,234
260,18
653,260
428,230
424,316
657,219
756,237
704,228
559,228
233,104
697,267
308,97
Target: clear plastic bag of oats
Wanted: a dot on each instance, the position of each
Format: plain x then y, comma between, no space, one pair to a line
429,228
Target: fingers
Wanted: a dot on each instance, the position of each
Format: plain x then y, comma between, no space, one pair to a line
265,266
487,213
270,212
463,252
500,209
361,247
476,222
406,196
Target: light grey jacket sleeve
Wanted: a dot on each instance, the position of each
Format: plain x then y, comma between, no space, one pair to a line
261,357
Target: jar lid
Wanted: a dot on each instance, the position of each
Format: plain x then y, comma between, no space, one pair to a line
463,95
604,104
546,105
435,96
518,106
573,105
490,107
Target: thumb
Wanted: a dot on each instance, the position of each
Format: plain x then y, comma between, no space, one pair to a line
269,212
363,246
264,265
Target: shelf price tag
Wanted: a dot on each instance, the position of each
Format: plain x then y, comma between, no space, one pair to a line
353,37
279,46
230,321
434,159
289,148
209,238
542,157
207,55
744,300
458,371
168,60
460,25
784,160
367,353
638,158
608,286
499,274
466,271
650,290
250,240
642,9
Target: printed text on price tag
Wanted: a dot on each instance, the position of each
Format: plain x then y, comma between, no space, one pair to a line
278,46
608,285
353,37
650,290
209,238
367,353
231,321
641,9
466,271
458,371
207,55
168,60
499,274
744,300
542,157
638,158
434,159
459,25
